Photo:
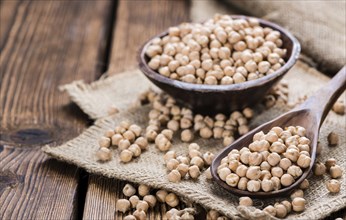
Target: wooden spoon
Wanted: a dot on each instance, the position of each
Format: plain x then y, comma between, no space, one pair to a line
309,115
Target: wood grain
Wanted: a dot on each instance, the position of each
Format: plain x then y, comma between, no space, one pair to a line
48,43
136,22
8,11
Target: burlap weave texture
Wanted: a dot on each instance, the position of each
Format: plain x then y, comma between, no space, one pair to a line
149,167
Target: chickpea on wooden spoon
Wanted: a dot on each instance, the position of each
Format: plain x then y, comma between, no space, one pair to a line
296,141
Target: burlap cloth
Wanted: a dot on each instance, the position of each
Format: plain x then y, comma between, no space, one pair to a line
123,90
320,26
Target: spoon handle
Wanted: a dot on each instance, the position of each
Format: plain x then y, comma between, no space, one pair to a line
322,101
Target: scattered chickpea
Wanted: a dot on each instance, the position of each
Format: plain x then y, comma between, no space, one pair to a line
297,193
281,210
174,176
140,214
288,205
134,201
130,217
151,200
129,190
194,172
122,205
330,162
333,186
298,204
305,184
270,210
161,195
143,190
335,171
172,200
105,142
333,139
319,169
104,154
142,206
245,201
339,108
126,156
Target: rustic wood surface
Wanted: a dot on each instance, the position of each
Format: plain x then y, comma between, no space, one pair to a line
45,44
136,21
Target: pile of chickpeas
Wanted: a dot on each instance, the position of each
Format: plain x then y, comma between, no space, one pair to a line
143,198
220,51
273,160
167,115
193,164
127,137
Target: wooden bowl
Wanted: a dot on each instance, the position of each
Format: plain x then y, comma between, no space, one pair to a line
209,99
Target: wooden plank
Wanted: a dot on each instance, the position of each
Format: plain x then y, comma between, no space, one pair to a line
136,21
8,11
49,43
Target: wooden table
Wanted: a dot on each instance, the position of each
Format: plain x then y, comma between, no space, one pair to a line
45,44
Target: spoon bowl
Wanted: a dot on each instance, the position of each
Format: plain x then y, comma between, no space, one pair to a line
309,115
209,99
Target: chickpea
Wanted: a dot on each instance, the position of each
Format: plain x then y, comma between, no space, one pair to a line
104,154
174,176
288,206
172,200
126,156
330,162
245,201
285,163
281,210
143,190
277,171
242,184
333,186
255,159
319,169
273,159
232,179
161,195
194,171
304,161
122,205
134,201
298,204
333,139
150,199
142,206
304,185
105,142
253,186
297,193
212,214
295,171
129,190
135,149
267,185
142,143
116,138
339,108
335,171
270,210
183,169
